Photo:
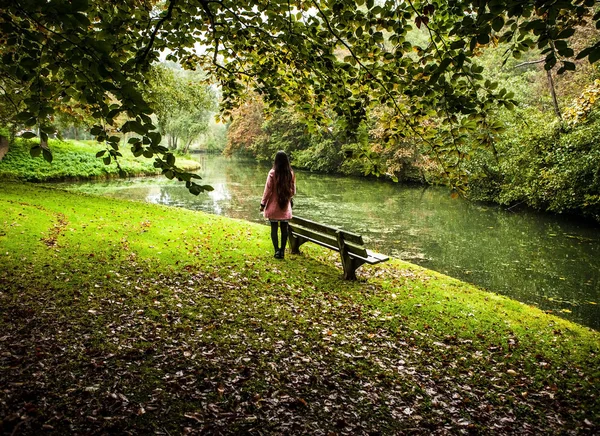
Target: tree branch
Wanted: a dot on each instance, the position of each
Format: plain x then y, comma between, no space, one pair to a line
522,64
167,16
7,96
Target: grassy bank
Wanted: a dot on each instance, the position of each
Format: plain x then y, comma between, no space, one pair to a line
119,316
74,160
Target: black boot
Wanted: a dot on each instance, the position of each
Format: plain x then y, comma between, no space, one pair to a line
284,238
274,239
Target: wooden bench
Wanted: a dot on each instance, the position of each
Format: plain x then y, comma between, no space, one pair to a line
349,245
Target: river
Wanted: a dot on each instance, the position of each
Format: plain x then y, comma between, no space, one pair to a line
545,260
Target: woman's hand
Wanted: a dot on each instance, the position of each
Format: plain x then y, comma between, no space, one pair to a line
262,207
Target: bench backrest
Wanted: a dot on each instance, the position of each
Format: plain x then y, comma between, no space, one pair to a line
328,235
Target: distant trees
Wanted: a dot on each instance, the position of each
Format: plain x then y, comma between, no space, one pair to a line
526,156
260,133
183,103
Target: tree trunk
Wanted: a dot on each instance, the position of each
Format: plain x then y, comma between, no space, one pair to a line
187,147
553,93
550,85
3,146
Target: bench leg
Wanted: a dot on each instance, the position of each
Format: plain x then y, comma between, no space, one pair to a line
295,243
349,269
350,266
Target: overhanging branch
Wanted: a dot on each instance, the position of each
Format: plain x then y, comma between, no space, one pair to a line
167,16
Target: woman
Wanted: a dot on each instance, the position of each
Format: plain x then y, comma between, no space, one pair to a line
277,200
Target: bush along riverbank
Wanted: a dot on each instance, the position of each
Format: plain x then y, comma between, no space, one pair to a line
127,317
74,160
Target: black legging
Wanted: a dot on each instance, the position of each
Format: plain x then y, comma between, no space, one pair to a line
284,234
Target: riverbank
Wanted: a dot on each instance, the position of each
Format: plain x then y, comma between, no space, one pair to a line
534,258
74,160
120,316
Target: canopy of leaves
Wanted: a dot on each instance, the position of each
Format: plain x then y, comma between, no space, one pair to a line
354,53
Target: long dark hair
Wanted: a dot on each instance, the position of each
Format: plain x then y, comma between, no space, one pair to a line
283,179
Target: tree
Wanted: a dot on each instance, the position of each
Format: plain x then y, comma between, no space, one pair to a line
245,127
182,103
354,52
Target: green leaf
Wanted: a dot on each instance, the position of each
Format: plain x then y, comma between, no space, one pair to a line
594,55
47,155
24,116
35,151
155,137
444,64
550,62
565,34
583,53
137,152
100,153
134,126
48,129
28,135
483,38
457,44
498,23
473,43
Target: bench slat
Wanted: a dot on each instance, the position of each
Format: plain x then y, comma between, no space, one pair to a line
373,258
308,224
328,241
314,235
328,230
381,257
322,244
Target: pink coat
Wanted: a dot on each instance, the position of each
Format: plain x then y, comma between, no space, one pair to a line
269,199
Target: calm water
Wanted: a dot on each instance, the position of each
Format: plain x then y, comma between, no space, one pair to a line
545,260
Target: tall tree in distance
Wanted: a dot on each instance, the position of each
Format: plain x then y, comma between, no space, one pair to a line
183,103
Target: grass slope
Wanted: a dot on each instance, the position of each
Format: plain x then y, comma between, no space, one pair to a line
73,160
126,317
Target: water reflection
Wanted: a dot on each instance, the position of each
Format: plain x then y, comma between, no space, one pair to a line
539,259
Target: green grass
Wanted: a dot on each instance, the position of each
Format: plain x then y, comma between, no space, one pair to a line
73,160
120,316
